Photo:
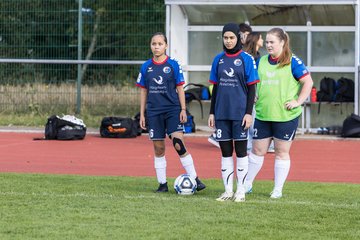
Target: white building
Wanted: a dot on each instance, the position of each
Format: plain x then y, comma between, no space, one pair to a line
325,34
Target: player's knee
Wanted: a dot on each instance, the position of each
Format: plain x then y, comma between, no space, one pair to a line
241,148
179,146
159,150
226,148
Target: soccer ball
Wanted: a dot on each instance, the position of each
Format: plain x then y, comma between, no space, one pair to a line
185,185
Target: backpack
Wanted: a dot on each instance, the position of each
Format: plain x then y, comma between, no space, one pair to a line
327,90
351,126
118,127
67,127
344,90
198,92
189,126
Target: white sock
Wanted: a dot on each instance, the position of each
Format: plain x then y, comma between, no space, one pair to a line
227,173
188,164
281,171
242,165
160,168
255,164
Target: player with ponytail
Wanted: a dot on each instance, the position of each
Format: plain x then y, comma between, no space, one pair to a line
285,83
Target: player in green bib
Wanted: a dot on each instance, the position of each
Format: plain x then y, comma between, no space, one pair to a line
285,83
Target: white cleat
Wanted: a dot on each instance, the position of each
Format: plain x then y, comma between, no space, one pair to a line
239,197
226,196
248,189
275,194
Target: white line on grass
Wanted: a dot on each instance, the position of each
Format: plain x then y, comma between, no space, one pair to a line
157,196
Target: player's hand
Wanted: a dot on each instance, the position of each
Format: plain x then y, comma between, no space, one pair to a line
183,116
247,121
142,122
211,121
291,104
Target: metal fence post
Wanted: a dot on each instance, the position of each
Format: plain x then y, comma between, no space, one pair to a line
79,69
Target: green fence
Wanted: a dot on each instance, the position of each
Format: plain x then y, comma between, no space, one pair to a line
40,42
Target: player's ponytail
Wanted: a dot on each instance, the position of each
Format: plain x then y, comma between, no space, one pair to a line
286,54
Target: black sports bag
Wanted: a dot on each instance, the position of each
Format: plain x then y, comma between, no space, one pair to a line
67,127
118,127
351,126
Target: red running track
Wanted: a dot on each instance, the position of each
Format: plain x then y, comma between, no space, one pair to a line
312,160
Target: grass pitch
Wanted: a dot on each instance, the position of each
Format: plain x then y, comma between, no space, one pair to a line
85,207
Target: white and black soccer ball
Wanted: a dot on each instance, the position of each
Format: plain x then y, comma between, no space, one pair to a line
185,185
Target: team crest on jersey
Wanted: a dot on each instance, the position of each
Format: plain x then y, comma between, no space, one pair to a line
230,73
160,81
166,69
149,69
237,62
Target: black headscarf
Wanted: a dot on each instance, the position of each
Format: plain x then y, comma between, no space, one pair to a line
232,27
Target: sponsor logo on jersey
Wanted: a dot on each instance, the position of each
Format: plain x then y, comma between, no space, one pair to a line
160,81
270,74
166,69
230,73
138,78
237,62
270,79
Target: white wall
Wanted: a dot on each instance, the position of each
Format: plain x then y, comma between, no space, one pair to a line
178,36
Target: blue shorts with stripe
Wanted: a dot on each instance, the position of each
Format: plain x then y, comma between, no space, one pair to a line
280,130
162,124
230,130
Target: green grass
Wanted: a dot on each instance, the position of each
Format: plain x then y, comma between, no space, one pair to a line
85,207
39,120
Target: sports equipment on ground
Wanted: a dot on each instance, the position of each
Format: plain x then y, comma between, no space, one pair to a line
275,194
185,185
226,196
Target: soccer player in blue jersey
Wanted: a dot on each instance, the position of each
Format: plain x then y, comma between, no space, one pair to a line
162,96
245,30
234,76
285,83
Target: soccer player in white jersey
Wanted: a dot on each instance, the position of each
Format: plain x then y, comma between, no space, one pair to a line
285,83
162,96
234,76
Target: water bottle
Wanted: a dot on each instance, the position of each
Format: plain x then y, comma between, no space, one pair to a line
205,93
313,95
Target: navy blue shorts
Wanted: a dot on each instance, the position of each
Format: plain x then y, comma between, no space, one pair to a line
280,130
165,123
230,130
